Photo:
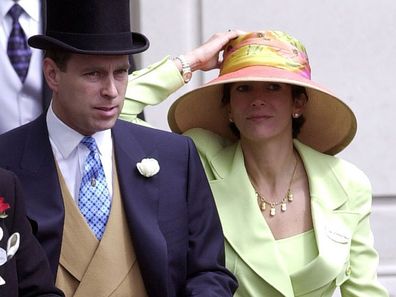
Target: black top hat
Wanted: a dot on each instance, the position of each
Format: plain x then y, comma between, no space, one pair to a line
89,27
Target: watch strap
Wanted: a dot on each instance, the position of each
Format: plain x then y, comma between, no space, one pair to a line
185,72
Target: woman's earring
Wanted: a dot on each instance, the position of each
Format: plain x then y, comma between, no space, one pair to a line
296,115
230,120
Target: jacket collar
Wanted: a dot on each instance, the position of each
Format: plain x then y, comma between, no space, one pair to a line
232,190
38,176
141,197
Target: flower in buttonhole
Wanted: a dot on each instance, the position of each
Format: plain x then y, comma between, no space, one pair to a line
148,167
3,207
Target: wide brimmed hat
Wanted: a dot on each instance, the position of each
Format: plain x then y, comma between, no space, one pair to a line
267,56
89,27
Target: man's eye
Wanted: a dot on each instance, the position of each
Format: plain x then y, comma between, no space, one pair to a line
121,72
93,74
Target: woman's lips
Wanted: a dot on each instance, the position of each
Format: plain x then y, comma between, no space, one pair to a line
259,117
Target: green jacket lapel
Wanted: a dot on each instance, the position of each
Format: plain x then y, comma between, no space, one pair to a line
333,226
239,212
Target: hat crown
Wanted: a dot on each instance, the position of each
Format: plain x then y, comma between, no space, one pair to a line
88,16
266,48
97,27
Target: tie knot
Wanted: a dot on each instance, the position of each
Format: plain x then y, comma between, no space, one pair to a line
15,12
90,143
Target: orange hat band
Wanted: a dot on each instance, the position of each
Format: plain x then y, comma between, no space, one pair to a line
266,50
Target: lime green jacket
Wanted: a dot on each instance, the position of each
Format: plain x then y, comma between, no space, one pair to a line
340,203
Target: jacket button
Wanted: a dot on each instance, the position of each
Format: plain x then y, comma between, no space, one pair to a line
348,271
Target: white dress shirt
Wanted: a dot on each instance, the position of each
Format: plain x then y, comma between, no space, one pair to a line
71,154
20,103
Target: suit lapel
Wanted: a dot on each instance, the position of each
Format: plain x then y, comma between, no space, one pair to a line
333,226
257,247
41,187
110,264
78,245
140,196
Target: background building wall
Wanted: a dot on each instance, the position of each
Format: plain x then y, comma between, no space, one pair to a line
352,49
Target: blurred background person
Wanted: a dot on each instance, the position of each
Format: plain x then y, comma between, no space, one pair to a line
24,94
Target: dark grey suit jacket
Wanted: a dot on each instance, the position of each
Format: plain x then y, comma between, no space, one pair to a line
28,272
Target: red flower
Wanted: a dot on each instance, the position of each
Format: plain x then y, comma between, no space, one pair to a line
3,206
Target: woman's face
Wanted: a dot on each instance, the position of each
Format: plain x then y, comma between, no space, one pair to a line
262,110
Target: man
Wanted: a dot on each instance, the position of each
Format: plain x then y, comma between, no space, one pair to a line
121,210
24,269
24,94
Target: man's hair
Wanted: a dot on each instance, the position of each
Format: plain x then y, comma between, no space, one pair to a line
297,123
60,57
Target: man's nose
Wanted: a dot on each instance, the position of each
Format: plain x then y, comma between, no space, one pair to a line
109,88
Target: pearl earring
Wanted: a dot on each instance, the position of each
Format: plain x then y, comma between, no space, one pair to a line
296,115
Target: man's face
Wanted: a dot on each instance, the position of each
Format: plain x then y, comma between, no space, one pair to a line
89,95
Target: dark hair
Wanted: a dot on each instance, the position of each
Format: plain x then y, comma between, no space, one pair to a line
60,57
296,91
297,123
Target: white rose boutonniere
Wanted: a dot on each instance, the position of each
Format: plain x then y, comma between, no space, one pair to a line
148,167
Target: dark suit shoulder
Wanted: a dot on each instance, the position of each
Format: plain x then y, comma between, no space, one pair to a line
6,176
152,136
12,143
151,131
16,134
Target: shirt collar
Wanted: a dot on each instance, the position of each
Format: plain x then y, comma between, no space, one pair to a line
66,139
32,8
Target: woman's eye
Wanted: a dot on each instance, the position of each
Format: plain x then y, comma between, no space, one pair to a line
274,87
242,88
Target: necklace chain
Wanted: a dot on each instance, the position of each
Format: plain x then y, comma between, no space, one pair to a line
288,197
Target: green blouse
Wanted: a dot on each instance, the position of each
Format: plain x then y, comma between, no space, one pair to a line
303,252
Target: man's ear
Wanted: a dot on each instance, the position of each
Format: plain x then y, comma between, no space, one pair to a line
51,73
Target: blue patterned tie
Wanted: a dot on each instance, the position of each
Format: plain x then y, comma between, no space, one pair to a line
18,50
94,199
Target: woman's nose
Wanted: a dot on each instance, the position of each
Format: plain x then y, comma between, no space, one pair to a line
259,98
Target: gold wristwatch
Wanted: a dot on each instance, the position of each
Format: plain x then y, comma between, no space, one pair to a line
185,72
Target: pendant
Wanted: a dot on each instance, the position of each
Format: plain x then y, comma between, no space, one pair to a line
289,196
93,182
272,211
283,206
262,205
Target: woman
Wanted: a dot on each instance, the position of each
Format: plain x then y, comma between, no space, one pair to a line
295,218
24,269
